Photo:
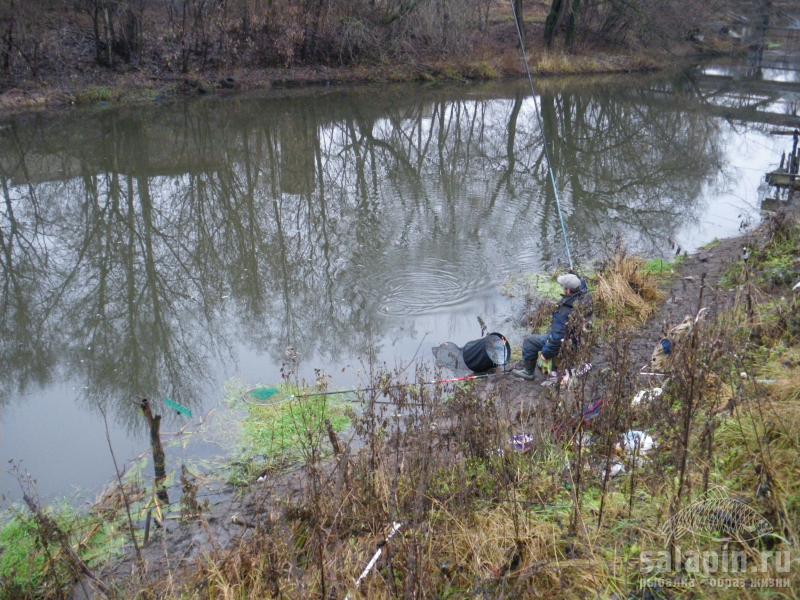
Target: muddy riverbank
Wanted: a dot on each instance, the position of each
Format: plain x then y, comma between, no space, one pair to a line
166,251
226,528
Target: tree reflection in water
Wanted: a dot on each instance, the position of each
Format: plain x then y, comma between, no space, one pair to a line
139,245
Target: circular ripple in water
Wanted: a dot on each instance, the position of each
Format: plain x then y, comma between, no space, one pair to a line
427,286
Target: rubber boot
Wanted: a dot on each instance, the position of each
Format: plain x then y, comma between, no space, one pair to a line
528,372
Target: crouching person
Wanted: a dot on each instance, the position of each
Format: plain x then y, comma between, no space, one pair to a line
575,296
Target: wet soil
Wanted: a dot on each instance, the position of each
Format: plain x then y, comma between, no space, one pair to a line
232,516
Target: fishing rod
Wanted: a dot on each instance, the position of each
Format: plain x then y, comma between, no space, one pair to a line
550,170
265,393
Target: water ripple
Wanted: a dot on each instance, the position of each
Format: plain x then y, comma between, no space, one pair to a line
427,286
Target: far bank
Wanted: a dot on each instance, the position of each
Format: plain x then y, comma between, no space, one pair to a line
67,58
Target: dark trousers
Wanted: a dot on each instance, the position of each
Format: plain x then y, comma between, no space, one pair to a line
531,346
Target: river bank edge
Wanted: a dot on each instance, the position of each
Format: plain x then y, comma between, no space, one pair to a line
715,268
724,253
108,88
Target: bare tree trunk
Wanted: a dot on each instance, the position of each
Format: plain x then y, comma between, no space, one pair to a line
109,36
9,39
559,10
245,14
159,460
96,26
184,40
551,22
572,23
519,18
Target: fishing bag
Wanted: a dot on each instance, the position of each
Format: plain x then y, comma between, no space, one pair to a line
492,350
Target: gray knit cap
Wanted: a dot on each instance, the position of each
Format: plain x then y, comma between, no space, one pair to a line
569,281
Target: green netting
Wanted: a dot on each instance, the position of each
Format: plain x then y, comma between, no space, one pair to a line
263,393
179,408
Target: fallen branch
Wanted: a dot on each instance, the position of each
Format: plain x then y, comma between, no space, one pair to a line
51,532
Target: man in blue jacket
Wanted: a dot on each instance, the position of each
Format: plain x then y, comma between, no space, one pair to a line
576,294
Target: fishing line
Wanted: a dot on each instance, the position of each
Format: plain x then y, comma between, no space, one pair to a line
272,391
550,169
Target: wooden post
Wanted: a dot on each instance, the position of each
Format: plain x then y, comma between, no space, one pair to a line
147,525
337,450
159,462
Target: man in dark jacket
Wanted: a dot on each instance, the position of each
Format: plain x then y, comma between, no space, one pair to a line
576,294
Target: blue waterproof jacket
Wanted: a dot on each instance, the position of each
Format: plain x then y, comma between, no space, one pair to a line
559,329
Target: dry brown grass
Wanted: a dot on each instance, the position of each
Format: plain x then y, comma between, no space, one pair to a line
565,64
626,291
482,520
560,63
495,543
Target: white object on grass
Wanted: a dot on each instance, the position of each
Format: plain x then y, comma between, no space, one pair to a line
615,469
646,395
373,561
653,373
633,439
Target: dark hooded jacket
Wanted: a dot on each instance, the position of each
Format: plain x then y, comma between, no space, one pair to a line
560,328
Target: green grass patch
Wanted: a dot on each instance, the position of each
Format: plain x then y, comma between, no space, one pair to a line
27,568
659,267
279,429
536,284
733,276
663,268
22,563
776,264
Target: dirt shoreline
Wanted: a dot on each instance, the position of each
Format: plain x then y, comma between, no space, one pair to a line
98,86
234,517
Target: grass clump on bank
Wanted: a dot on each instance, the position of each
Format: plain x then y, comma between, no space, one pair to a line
30,568
96,94
279,429
774,258
518,495
559,63
533,285
661,268
626,290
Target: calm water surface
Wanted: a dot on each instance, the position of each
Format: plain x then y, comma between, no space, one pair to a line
160,251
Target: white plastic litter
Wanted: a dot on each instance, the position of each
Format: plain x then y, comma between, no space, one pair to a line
565,379
633,438
616,468
371,564
646,395
522,442
796,287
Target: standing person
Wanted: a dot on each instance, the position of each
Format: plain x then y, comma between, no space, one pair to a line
575,294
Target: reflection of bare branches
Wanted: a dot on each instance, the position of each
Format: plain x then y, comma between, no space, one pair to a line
294,211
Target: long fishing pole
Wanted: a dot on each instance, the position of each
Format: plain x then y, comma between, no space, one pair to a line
550,169
272,391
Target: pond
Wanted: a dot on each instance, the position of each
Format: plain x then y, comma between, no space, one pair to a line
160,251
